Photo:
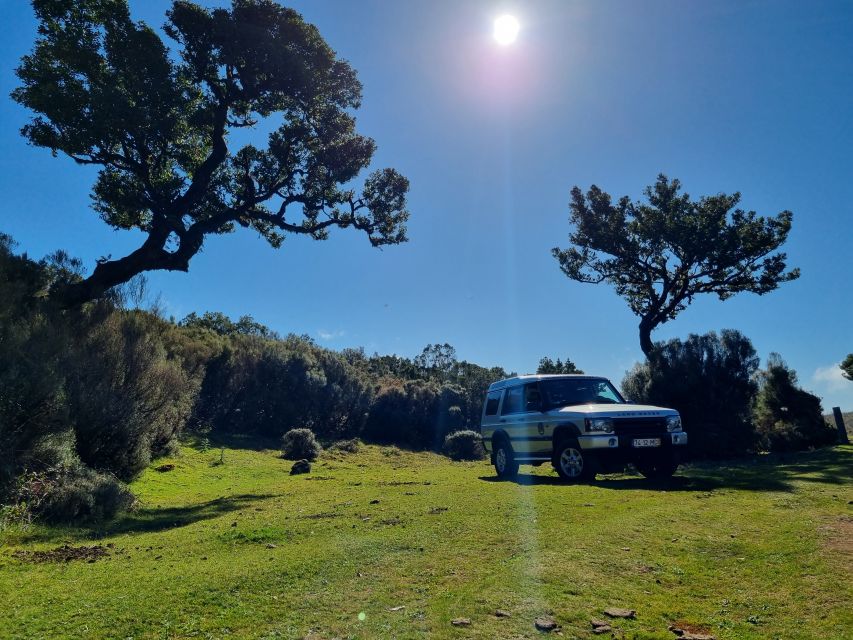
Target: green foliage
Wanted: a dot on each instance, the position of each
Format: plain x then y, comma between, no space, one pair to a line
221,324
417,414
300,444
464,445
437,361
109,92
546,365
83,495
93,388
788,418
709,379
353,445
659,255
266,387
847,366
128,398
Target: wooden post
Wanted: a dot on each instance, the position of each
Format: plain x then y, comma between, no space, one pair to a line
839,423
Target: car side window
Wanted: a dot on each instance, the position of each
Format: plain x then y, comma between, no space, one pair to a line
492,402
532,397
513,401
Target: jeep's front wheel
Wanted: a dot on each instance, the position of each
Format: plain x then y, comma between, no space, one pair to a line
570,462
658,469
504,460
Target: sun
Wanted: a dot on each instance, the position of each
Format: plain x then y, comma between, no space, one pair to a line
506,29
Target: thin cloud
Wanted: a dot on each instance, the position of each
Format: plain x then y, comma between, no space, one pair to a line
830,378
330,335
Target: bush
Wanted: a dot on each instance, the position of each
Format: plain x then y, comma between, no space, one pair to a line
265,387
71,495
85,496
128,398
709,379
788,418
300,444
347,446
417,414
464,445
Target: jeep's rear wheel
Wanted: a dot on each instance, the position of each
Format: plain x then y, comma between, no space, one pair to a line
657,469
571,463
504,459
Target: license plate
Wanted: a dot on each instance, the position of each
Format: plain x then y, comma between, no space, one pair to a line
646,442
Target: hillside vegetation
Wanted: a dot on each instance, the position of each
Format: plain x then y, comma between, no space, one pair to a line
228,544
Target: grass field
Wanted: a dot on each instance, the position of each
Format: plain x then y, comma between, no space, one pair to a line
384,544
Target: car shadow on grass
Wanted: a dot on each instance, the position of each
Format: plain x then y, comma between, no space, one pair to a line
776,472
150,519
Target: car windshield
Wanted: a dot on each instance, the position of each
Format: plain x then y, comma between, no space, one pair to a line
564,392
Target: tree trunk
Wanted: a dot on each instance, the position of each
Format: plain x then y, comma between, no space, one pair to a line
646,343
150,256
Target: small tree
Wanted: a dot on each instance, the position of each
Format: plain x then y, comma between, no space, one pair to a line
546,365
661,254
108,92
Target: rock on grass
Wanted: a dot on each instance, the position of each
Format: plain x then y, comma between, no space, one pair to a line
545,623
616,612
461,622
300,466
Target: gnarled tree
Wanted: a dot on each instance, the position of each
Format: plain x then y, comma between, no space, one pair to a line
660,254
107,91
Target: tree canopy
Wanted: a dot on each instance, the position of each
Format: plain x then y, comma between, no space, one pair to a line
546,365
661,253
847,367
109,92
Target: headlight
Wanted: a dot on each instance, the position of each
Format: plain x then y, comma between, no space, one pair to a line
673,423
599,424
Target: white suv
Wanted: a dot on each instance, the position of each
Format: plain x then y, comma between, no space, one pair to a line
581,424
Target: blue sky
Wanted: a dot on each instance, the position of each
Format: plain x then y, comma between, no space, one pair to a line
727,96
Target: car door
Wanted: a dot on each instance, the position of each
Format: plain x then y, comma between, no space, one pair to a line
489,422
537,429
523,421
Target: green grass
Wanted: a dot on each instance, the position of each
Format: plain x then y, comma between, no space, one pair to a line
243,550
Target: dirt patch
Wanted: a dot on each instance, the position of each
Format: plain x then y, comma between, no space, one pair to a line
681,628
839,537
65,553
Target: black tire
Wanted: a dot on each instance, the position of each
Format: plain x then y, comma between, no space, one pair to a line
570,462
657,468
504,460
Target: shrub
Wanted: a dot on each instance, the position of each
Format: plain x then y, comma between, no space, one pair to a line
416,414
788,418
265,387
709,379
85,496
128,398
347,446
300,444
71,495
464,445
